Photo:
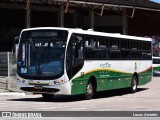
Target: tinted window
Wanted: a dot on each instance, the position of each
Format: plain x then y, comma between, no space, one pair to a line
91,47
156,61
103,45
98,47
75,59
114,52
135,50
125,49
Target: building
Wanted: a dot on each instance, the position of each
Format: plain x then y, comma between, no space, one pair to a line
133,17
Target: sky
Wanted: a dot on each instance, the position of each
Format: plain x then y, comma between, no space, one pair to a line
156,1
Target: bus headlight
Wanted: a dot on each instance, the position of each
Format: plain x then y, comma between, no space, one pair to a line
58,81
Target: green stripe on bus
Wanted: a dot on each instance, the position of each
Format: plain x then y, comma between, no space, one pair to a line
109,79
156,68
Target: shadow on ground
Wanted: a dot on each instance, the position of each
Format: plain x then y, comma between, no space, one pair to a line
74,98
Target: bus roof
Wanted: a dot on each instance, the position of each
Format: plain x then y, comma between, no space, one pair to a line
45,28
156,57
91,32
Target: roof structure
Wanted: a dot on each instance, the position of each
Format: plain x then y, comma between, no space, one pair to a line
132,3
140,4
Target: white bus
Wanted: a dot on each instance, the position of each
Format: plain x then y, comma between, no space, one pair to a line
156,66
54,61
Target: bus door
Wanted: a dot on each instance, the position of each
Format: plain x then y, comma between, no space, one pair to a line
75,55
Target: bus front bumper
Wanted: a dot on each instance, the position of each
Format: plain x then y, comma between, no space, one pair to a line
64,88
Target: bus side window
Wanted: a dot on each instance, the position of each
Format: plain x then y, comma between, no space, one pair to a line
102,48
125,49
114,52
146,47
91,47
80,51
135,50
77,47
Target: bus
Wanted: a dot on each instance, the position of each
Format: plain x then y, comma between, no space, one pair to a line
62,61
156,66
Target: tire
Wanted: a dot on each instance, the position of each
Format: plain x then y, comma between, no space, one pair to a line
90,90
47,96
133,88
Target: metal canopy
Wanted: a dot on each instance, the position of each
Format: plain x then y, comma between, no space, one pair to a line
136,4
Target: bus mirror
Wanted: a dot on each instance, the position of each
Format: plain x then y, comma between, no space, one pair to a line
16,40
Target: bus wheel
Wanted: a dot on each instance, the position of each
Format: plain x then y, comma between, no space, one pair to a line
133,88
89,90
47,96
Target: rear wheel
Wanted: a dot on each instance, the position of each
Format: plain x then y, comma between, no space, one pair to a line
133,88
90,90
47,96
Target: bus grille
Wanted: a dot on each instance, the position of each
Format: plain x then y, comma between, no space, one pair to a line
32,89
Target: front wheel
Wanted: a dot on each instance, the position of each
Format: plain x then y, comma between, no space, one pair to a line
133,88
90,90
47,96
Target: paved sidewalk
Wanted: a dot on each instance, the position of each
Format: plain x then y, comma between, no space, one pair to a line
7,84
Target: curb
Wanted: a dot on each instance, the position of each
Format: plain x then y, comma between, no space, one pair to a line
12,94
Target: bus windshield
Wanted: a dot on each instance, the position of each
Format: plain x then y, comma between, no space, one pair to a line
41,54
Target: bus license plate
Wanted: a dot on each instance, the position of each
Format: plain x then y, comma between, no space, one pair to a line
38,87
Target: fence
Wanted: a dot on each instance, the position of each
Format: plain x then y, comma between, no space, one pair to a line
7,71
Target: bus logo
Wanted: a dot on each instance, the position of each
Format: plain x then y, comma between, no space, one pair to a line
105,65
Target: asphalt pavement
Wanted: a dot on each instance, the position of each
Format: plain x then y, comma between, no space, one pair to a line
146,99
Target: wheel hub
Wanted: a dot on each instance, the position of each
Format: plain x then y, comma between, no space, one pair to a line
89,89
134,84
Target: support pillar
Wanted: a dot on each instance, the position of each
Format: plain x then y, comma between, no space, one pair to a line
125,22
61,16
92,18
8,59
8,78
28,16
